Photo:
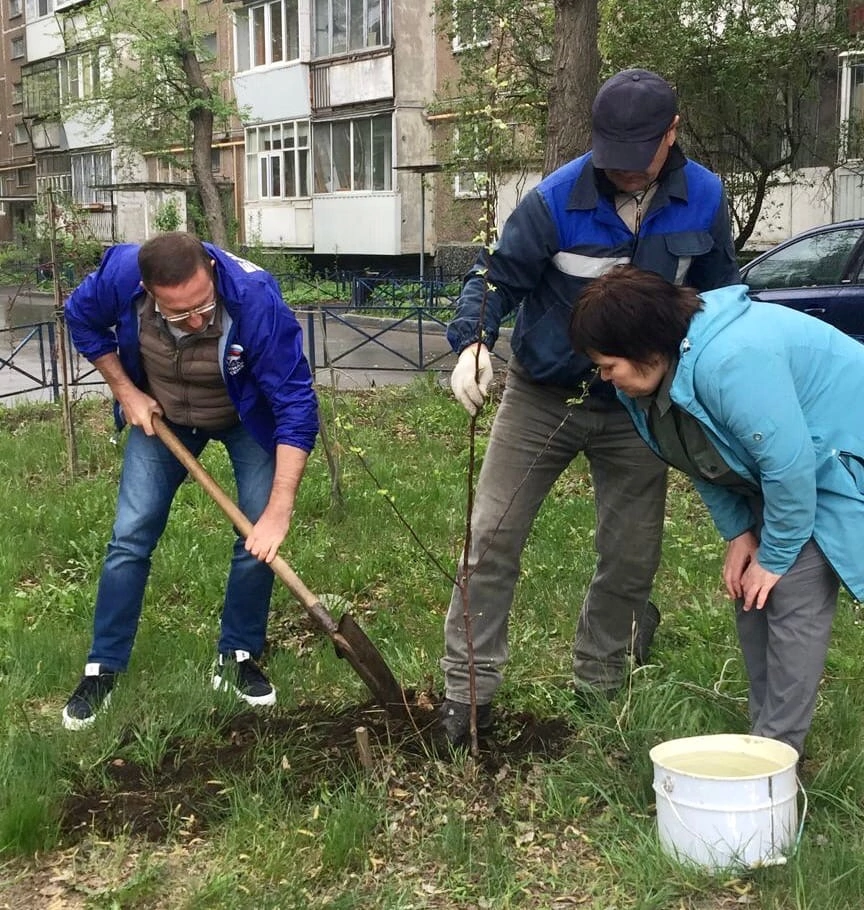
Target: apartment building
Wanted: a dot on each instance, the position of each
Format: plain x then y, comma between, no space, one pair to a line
335,155
17,166
340,149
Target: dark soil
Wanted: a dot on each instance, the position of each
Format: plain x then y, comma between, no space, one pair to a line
187,792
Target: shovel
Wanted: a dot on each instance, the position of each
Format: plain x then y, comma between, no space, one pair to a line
350,641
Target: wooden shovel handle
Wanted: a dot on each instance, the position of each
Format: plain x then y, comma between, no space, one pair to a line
280,568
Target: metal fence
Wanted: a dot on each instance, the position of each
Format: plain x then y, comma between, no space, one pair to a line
30,365
383,325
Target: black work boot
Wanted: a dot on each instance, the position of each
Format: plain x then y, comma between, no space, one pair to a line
646,626
455,721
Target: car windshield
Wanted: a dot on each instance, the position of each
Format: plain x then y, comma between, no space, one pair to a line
812,261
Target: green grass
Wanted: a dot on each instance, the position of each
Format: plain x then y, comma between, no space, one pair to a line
196,806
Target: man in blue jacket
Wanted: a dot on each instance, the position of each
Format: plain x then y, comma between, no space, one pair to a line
202,338
633,198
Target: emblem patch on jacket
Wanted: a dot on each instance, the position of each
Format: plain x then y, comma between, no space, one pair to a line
234,359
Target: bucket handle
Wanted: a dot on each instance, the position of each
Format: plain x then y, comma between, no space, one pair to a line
779,860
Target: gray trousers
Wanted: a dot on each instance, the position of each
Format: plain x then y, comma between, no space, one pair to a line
784,647
535,436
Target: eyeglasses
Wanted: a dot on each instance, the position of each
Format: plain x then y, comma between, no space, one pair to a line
195,311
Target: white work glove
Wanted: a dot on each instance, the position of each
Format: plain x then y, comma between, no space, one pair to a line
471,377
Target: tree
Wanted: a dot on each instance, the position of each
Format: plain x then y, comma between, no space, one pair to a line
755,80
527,78
575,68
497,102
157,97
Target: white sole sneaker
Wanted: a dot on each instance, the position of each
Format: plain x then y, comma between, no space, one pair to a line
257,701
80,723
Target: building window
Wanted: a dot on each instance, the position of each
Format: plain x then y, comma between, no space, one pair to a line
80,76
354,155
89,171
17,45
20,134
16,7
470,181
41,86
36,9
23,176
209,47
852,105
350,25
17,93
277,161
471,26
267,33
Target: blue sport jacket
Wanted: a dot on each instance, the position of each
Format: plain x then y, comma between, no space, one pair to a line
566,232
261,350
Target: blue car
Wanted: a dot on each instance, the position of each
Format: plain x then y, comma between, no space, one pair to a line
820,272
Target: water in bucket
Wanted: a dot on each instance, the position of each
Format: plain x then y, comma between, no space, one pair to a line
726,800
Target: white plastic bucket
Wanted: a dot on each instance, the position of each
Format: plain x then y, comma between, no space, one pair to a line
726,800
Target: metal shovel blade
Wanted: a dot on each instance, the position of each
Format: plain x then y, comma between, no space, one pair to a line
348,638
354,645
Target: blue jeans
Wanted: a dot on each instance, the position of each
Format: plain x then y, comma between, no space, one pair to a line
151,476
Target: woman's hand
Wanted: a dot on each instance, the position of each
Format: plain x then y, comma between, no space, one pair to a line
757,583
740,552
744,578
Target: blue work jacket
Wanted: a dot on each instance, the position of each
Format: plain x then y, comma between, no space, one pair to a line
566,232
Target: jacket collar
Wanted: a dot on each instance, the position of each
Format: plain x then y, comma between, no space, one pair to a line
592,183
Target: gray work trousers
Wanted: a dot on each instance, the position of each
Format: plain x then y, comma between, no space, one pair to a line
784,647
535,436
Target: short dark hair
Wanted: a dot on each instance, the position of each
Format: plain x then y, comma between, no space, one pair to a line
167,260
633,314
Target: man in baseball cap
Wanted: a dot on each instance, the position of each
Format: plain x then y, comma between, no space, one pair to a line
634,198
632,112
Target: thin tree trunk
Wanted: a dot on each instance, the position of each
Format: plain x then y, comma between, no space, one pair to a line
202,136
576,65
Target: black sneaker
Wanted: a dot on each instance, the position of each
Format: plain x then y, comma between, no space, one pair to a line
646,626
455,720
236,671
90,697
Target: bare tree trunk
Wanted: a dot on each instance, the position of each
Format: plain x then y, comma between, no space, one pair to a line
202,136
575,65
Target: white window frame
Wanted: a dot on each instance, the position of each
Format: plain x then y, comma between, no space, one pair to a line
270,150
468,184
248,25
39,9
18,48
338,173
480,32
851,65
85,67
89,168
360,28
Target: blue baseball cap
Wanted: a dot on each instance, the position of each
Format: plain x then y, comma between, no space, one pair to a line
629,116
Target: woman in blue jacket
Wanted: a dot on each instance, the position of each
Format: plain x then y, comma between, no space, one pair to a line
761,406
